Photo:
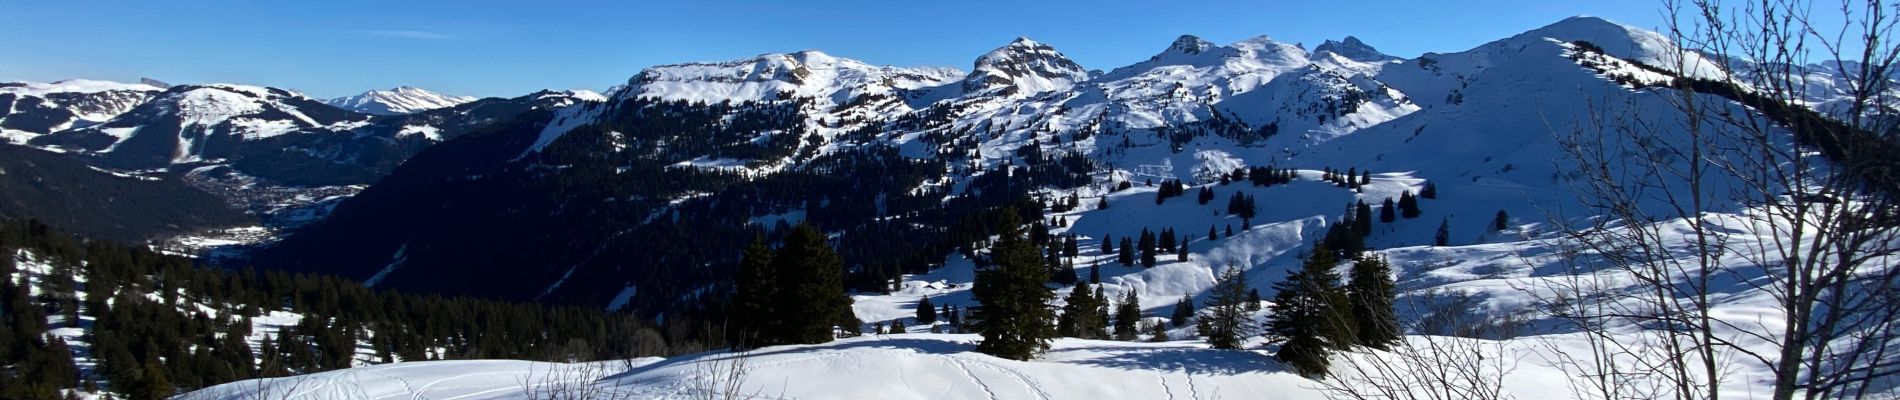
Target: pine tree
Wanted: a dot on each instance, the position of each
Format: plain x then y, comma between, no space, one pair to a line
1181,254
1183,311
1501,222
1147,249
1371,290
1166,240
811,275
1241,205
926,312
1108,245
1069,246
1158,333
1430,191
1388,212
1095,273
1212,235
1309,315
1408,205
1224,322
1443,238
1362,218
1253,299
1081,316
753,306
1128,316
1016,317
152,384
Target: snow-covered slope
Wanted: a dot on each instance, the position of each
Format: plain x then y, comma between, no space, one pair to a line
29,110
886,367
1481,125
829,80
400,100
198,123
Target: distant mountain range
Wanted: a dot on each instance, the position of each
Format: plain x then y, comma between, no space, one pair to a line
401,100
686,162
550,189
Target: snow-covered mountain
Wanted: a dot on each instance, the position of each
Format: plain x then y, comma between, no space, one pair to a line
1023,67
1194,112
198,123
637,200
28,110
400,100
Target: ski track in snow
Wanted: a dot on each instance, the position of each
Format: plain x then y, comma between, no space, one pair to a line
1015,375
958,362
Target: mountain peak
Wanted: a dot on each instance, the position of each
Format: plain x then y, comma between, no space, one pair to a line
1189,45
1023,66
398,100
1353,49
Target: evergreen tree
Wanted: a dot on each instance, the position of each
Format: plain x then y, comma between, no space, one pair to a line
926,312
1362,218
1062,270
1408,205
1158,333
1104,321
1166,242
1430,191
754,304
1241,205
1128,316
1182,253
1253,299
1224,322
1183,311
1500,222
1016,317
1081,316
1388,212
152,384
1108,245
1344,240
1443,238
1212,234
1069,246
1147,249
1371,289
1309,315
811,276
1095,273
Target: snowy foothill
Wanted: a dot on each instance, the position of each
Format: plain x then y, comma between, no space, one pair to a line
901,366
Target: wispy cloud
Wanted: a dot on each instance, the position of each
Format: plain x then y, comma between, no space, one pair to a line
403,34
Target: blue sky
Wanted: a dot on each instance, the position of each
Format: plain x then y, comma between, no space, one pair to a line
492,48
